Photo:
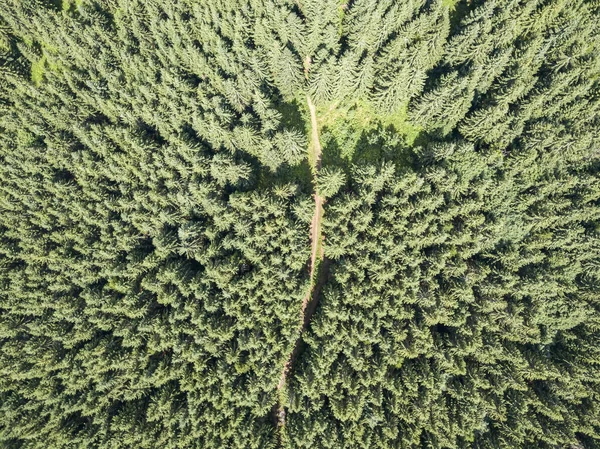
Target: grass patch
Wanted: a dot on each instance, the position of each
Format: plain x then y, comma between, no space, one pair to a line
362,116
70,5
45,63
450,4
356,132
37,70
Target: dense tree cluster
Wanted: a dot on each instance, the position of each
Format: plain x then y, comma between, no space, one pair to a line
149,290
462,307
156,198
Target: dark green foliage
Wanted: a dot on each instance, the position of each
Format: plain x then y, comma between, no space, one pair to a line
156,198
149,294
513,63
462,307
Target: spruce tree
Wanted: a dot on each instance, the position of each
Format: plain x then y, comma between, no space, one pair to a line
300,224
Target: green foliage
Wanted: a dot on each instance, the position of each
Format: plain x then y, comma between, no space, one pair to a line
460,298
148,294
156,196
330,182
37,70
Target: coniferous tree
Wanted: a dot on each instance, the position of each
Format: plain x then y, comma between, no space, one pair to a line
156,198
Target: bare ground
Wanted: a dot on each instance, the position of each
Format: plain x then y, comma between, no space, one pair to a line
317,260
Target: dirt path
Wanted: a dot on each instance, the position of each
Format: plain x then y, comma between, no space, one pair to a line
315,227
309,302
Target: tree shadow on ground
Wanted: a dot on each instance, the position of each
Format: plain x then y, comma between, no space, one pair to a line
300,175
371,146
294,116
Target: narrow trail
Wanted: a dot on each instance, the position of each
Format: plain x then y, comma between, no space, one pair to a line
315,227
318,267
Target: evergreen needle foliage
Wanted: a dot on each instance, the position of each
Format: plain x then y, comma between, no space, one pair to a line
157,188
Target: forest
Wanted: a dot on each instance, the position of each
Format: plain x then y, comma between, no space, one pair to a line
294,224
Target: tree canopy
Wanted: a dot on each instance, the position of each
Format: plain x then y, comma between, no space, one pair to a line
394,203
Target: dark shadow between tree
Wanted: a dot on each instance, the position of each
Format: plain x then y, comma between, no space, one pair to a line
372,147
293,116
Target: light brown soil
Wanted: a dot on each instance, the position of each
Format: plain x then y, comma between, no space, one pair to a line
309,302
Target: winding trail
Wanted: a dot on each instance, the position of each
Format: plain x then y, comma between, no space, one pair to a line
315,227
319,266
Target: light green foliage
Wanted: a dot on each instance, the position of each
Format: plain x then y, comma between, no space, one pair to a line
330,182
156,196
37,70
